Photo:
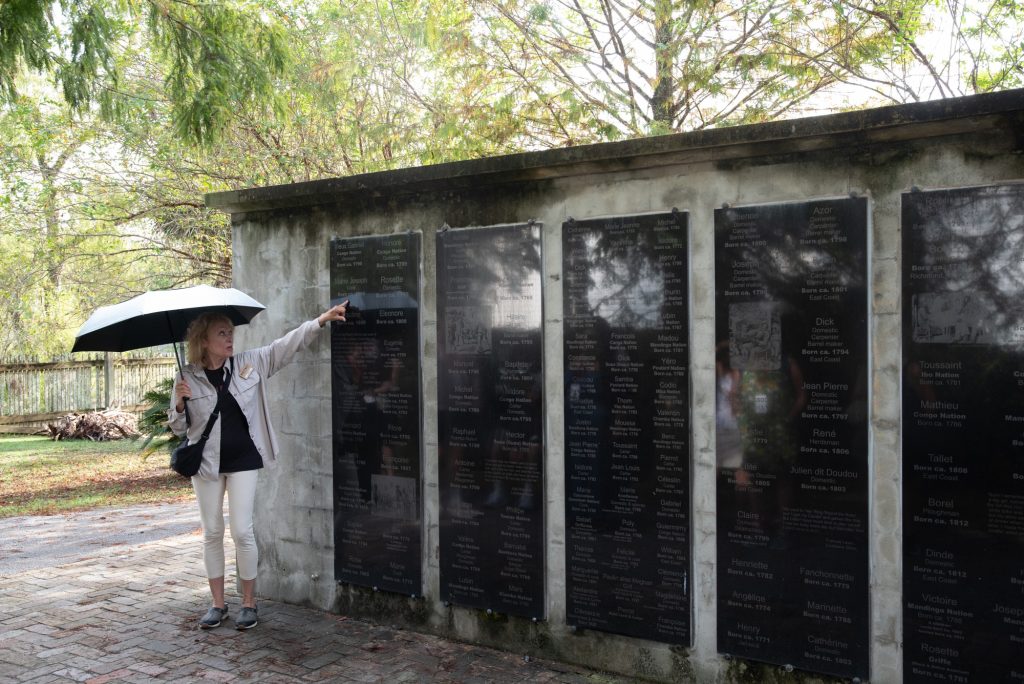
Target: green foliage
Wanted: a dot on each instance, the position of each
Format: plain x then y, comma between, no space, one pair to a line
23,41
216,57
676,65
221,57
80,210
153,423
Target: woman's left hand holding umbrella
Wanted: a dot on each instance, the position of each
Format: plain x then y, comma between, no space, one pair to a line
184,393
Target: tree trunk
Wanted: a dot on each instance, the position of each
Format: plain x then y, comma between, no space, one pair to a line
663,101
48,252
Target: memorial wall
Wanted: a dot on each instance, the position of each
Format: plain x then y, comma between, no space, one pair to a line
773,434
791,416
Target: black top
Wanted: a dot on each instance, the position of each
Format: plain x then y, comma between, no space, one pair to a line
237,451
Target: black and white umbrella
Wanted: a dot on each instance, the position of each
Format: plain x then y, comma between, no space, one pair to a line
161,317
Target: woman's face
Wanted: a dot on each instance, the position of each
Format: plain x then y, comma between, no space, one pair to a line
220,341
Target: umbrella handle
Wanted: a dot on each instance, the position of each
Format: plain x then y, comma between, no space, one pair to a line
181,374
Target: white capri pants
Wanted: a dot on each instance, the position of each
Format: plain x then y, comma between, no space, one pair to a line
241,490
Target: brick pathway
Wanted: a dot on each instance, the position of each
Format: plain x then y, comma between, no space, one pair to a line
127,614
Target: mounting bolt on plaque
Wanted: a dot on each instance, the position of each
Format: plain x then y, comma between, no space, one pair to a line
447,604
855,680
573,628
375,588
534,620
787,667
490,612
725,205
526,658
678,216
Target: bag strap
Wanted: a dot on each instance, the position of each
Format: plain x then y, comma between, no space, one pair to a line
216,409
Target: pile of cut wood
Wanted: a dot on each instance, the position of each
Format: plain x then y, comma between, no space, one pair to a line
99,426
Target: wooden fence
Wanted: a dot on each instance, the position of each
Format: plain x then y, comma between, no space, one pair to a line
32,394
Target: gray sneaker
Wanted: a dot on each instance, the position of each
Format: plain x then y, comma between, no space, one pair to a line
246,618
213,617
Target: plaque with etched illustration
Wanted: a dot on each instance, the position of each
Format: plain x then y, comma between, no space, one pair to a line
963,435
627,425
791,431
375,400
490,418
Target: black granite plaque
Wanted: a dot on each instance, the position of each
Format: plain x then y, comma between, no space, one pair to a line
490,419
375,397
791,432
627,419
963,435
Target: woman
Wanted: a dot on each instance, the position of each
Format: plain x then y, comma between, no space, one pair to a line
241,441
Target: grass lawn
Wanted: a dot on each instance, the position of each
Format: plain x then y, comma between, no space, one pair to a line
41,477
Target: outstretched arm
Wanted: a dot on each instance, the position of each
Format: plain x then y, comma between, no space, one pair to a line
282,351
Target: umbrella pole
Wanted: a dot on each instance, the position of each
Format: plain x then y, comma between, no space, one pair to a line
174,346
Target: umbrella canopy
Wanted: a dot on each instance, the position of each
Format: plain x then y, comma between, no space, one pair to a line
160,317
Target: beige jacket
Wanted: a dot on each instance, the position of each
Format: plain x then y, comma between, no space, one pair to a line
248,371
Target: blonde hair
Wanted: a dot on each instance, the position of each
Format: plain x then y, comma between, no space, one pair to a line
196,334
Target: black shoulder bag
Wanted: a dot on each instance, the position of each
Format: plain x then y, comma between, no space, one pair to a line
186,458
